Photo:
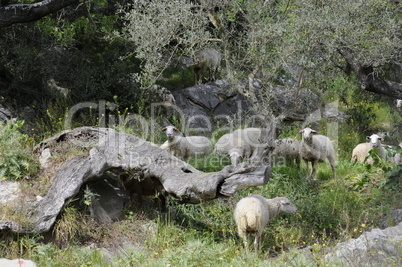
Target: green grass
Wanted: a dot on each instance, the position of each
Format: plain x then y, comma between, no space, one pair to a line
205,234
329,210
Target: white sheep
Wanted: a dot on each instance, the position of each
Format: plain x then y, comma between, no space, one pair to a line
288,148
239,144
361,151
17,263
250,135
240,151
185,146
316,148
253,213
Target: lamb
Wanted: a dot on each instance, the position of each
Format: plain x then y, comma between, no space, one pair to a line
17,263
185,146
288,148
361,151
252,214
206,59
316,148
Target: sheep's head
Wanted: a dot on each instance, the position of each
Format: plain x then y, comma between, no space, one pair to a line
375,140
286,206
235,156
307,134
170,131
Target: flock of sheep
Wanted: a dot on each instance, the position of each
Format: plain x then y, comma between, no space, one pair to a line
253,212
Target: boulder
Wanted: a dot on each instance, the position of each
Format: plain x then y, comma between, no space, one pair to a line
375,248
204,105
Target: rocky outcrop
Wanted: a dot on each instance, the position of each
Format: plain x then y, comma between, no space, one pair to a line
213,102
375,248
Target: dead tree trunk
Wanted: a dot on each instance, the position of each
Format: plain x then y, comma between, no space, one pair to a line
114,150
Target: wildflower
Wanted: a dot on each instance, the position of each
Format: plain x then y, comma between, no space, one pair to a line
363,225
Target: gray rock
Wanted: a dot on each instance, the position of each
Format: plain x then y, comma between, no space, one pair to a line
375,248
9,192
45,158
5,113
205,105
393,218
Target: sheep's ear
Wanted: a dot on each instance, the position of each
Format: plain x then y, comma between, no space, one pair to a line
228,155
175,129
164,129
301,131
314,132
368,137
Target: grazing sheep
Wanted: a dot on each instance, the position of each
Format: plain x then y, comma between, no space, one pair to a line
17,263
361,151
316,148
239,144
206,59
185,146
252,214
399,103
288,148
240,151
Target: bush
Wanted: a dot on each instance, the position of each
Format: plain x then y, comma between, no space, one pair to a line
16,161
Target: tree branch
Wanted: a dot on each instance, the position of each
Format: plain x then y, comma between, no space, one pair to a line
369,79
20,13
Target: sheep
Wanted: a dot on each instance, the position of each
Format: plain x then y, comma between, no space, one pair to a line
288,148
185,146
316,148
361,151
240,151
206,59
16,263
239,144
252,214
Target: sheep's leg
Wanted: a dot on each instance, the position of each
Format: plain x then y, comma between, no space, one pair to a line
257,242
243,236
314,166
306,165
332,162
298,163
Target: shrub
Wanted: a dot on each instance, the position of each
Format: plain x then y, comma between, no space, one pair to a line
16,161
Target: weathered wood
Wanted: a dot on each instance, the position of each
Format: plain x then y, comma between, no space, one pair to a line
18,13
114,150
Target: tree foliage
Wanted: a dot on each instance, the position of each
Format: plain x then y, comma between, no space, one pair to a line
313,39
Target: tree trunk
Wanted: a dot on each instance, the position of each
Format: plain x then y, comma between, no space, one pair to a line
19,13
119,151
